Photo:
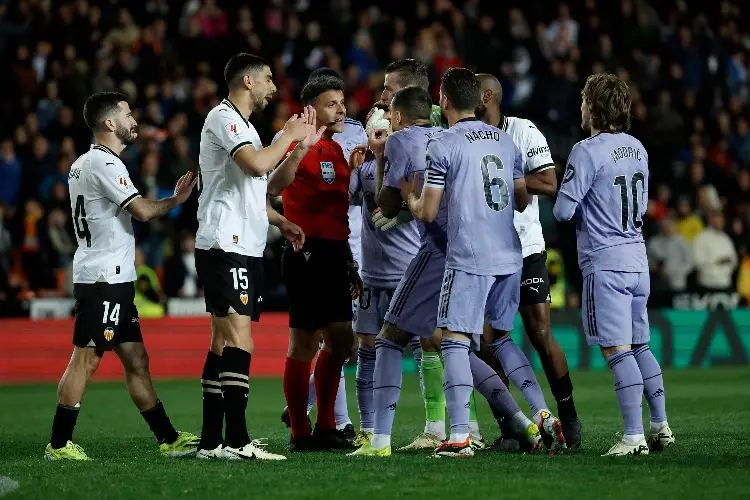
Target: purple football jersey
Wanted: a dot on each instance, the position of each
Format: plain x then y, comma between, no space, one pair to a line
607,176
405,153
475,164
385,254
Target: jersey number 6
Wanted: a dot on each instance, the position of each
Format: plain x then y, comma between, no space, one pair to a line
494,180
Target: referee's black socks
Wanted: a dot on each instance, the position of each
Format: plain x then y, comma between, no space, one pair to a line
63,425
234,376
213,403
159,423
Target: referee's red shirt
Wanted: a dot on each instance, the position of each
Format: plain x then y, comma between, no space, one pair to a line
318,198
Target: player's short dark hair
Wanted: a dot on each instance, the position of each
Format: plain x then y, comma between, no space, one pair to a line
316,86
413,73
414,102
463,88
325,72
100,106
241,64
609,100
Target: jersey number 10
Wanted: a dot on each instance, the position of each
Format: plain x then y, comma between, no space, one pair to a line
621,181
79,219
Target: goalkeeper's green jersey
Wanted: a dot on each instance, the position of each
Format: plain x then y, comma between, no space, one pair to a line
436,117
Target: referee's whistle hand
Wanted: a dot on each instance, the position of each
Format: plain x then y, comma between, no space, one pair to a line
293,234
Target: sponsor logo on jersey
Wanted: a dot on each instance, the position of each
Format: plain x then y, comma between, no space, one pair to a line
327,171
243,298
233,129
570,172
109,334
537,151
532,281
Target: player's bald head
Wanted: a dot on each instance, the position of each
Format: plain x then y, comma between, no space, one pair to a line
491,84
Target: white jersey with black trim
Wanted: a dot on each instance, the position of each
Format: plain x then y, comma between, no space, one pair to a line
100,190
537,156
231,204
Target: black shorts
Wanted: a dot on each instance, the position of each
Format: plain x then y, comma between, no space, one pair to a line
317,283
535,280
105,315
232,283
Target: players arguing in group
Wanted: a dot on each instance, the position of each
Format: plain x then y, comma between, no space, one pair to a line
605,188
451,249
102,200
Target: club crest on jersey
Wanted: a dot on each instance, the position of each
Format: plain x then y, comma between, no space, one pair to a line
243,298
109,334
327,171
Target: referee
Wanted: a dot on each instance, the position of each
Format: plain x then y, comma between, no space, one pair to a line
322,279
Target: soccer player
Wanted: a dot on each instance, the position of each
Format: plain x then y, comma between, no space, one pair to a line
540,178
233,218
399,75
322,279
102,199
413,309
605,187
385,258
477,172
353,135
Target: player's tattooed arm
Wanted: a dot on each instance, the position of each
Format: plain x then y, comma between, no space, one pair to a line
146,210
542,182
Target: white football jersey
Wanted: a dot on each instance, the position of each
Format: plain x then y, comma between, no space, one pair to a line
100,189
231,204
533,145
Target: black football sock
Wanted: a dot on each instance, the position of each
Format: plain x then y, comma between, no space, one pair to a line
213,403
235,371
562,390
63,425
159,423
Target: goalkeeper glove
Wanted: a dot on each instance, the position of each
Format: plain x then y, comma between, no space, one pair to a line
384,223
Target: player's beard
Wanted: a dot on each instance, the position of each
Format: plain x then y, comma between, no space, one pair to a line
259,102
480,111
125,135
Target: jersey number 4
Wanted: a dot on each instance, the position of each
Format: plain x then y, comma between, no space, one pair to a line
79,219
622,181
503,197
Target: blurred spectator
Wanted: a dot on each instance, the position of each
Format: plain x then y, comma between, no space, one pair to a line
10,173
689,225
714,255
180,277
669,258
60,246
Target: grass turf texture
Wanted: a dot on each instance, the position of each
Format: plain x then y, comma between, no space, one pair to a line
708,411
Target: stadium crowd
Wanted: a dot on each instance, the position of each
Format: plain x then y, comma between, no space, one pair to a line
687,64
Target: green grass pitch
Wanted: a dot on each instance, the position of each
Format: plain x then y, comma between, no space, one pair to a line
709,410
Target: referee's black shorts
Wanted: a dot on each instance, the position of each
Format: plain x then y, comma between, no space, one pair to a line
317,283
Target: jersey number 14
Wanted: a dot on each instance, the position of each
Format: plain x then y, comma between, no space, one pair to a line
79,219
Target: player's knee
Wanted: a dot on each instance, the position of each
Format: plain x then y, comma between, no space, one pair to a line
138,364
366,340
303,344
392,333
84,362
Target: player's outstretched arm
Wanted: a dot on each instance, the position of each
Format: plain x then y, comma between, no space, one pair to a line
284,174
146,210
542,182
520,194
259,162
